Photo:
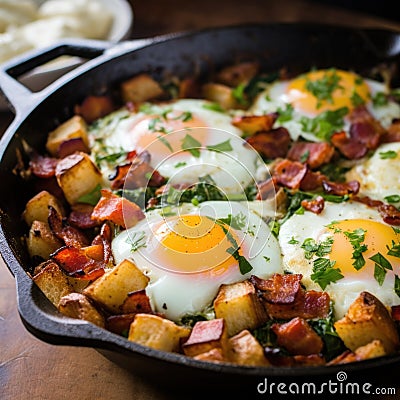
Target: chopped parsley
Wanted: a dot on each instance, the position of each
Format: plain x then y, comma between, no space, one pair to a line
394,198
324,272
312,248
92,197
323,88
285,114
379,99
381,266
239,94
394,250
397,285
180,164
191,145
325,124
213,107
221,147
356,239
356,99
136,240
236,222
384,155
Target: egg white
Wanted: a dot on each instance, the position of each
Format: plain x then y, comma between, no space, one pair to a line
176,294
310,225
274,98
231,170
379,176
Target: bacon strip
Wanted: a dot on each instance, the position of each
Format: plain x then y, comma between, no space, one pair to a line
117,209
70,235
314,154
389,213
104,239
284,298
289,173
341,189
43,167
266,189
349,147
271,144
80,216
316,205
393,133
77,263
298,337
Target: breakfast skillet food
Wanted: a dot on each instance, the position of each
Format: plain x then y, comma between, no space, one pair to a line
250,219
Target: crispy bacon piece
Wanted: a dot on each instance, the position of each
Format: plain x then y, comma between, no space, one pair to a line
68,234
70,146
349,147
312,180
137,302
80,216
390,214
289,173
365,133
120,324
314,154
393,133
361,114
395,310
104,239
41,166
298,337
251,124
116,209
284,298
341,189
279,289
271,144
316,205
266,189
94,107
136,173
368,201
78,263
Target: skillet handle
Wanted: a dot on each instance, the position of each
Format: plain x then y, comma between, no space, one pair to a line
18,96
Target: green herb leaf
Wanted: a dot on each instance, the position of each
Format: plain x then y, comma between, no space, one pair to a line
304,156
394,198
384,155
165,142
92,197
394,250
213,107
293,241
356,99
136,240
236,222
397,285
239,94
324,272
381,265
191,145
356,238
380,99
285,114
180,164
221,147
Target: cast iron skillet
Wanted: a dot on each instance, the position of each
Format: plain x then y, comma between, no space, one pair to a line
296,46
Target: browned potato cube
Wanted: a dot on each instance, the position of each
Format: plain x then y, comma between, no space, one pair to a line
366,320
112,289
141,88
220,94
77,305
213,355
207,335
52,282
371,350
239,306
37,208
246,350
73,128
251,124
77,175
41,241
234,75
157,333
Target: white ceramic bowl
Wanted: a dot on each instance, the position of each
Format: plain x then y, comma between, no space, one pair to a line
120,30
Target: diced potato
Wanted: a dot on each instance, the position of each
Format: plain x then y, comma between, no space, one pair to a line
371,350
214,355
239,306
77,305
207,335
234,75
140,88
246,350
53,282
157,333
221,94
41,241
77,175
112,289
37,208
251,124
366,320
73,128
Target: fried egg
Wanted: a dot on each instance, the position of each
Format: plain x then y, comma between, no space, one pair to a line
340,230
185,139
309,95
379,174
188,254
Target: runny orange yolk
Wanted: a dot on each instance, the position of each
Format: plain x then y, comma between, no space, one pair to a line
377,237
165,132
323,90
194,243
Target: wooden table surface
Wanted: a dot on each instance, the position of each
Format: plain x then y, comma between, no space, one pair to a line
31,369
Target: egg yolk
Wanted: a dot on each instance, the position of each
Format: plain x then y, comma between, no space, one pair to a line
324,90
163,134
347,236
194,244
